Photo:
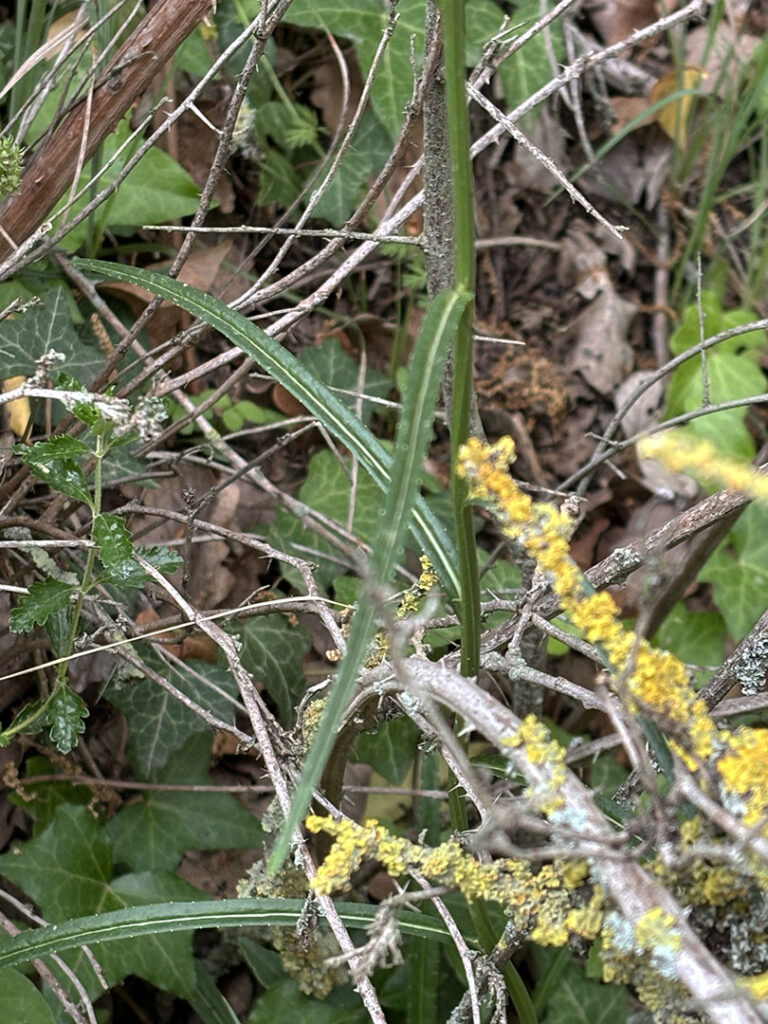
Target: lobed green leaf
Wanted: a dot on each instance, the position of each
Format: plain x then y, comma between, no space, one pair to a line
45,598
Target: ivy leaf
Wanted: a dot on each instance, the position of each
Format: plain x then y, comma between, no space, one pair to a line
45,598
368,152
697,638
41,799
65,870
285,1004
738,571
717,320
265,965
327,490
21,1002
363,22
65,718
115,544
334,366
68,871
531,67
47,327
53,462
156,833
577,1000
730,377
278,181
158,724
389,750
273,652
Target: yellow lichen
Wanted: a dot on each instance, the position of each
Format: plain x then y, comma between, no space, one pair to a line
744,769
410,604
684,453
539,902
540,749
650,680
656,929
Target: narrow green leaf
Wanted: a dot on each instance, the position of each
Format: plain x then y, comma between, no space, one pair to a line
428,817
413,434
163,918
304,386
423,981
45,597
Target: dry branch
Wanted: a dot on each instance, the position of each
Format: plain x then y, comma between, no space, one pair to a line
632,889
127,75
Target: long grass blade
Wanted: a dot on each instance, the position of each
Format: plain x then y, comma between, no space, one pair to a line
305,387
414,430
161,918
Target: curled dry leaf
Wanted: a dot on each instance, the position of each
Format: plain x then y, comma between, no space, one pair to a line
603,355
614,20
582,264
721,56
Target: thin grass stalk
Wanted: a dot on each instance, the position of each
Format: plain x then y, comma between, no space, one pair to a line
463,361
452,12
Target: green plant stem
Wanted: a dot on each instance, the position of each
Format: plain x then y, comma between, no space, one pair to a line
463,362
101,450
452,12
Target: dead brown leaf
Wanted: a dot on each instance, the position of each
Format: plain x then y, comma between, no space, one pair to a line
614,20
200,270
197,147
603,355
328,92
722,55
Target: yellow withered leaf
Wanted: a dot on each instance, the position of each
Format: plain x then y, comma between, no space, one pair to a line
673,116
19,411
